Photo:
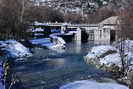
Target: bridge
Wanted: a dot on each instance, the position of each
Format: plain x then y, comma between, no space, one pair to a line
99,33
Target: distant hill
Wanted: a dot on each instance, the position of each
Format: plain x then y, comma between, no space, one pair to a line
117,5
85,6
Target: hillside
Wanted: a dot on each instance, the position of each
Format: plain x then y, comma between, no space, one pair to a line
85,6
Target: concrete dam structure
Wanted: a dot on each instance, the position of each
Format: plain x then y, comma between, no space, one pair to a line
103,33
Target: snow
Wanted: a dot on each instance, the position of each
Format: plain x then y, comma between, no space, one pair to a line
38,30
99,50
71,32
91,55
14,49
130,58
128,45
112,59
2,44
38,23
107,55
57,46
104,56
128,51
58,42
87,84
38,34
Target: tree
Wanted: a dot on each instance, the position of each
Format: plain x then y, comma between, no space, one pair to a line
44,14
125,31
126,22
11,17
73,18
100,15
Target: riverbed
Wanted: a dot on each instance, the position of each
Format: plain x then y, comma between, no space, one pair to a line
50,69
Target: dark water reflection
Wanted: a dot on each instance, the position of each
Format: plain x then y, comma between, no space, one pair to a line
49,69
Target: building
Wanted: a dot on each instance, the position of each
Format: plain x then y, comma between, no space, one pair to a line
106,32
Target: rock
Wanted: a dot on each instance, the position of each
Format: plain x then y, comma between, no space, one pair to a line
105,57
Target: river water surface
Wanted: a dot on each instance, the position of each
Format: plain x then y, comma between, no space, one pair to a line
49,69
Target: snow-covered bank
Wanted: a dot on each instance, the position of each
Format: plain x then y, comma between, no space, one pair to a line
14,49
109,56
86,84
106,57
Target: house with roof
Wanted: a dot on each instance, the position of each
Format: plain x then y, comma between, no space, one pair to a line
106,32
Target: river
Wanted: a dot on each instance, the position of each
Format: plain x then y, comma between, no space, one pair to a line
49,69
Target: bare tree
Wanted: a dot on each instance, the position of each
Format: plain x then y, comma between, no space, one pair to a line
13,21
100,15
73,18
125,31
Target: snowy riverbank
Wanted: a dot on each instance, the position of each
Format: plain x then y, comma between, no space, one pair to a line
88,84
105,57
108,58
14,49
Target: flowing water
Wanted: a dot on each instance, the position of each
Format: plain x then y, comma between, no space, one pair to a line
49,69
